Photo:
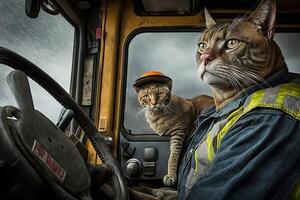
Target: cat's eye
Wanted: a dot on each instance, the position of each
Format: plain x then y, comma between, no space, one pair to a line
202,47
233,43
161,94
146,97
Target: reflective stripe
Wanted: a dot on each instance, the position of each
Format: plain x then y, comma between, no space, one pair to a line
210,149
284,94
196,161
201,163
296,192
256,98
232,118
211,140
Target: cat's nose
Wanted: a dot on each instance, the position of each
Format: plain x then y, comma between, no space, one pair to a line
208,56
153,102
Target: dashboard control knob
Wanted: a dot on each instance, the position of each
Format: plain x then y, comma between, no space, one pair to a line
133,167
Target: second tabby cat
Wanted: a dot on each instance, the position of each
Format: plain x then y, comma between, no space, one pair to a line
169,115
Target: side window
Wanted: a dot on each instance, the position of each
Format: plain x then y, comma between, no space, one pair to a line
173,53
47,41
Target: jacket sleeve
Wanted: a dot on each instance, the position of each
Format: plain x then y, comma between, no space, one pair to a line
259,158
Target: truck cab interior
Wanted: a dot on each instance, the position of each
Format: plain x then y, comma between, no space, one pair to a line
67,105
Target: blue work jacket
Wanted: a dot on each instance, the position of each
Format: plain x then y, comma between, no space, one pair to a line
259,157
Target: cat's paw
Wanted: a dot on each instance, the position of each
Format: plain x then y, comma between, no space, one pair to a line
169,180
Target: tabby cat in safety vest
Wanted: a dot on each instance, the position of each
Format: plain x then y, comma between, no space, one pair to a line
232,58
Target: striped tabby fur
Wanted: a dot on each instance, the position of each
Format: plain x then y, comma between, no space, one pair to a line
233,56
172,116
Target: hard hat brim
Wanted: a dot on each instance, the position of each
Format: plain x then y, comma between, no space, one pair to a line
151,79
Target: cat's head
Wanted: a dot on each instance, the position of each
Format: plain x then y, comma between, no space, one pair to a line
241,53
154,97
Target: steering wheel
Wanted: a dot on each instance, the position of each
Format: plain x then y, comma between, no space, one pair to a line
37,149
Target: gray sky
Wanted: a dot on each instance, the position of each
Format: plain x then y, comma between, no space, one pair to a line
46,41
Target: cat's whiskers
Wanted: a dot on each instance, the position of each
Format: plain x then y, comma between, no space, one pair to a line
258,77
239,79
249,76
233,79
233,82
227,78
142,109
235,76
167,108
230,82
245,79
254,77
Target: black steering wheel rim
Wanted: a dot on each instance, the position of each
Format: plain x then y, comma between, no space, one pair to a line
26,163
17,62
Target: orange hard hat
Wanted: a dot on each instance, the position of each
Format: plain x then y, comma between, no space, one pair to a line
152,77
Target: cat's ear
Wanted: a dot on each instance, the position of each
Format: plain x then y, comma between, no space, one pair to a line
265,16
170,87
209,21
137,89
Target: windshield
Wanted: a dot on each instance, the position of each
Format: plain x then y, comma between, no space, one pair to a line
47,41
